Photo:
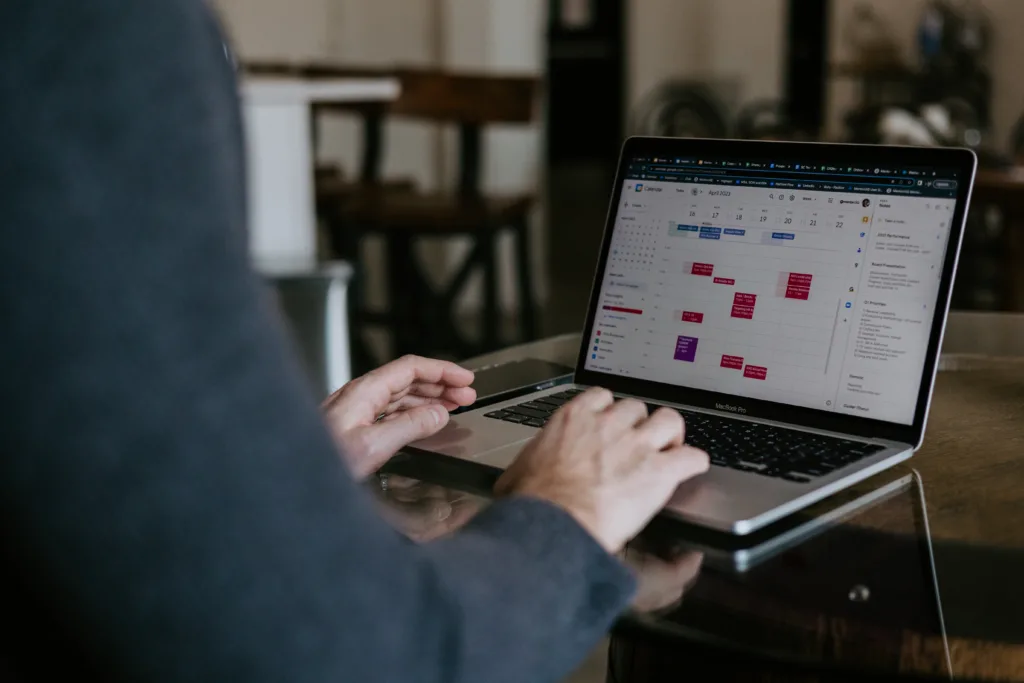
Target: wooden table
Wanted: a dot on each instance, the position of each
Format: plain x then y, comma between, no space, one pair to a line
972,475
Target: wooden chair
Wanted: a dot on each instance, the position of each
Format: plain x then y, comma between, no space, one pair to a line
420,318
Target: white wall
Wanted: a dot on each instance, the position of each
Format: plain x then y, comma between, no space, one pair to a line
738,42
276,29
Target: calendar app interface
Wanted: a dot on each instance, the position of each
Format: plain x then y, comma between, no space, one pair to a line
804,284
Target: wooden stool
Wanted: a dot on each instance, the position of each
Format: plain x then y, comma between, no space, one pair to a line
421,318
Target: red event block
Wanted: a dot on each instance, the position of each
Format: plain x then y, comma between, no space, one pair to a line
732,362
620,309
741,299
702,269
755,372
800,279
743,312
798,292
692,317
724,281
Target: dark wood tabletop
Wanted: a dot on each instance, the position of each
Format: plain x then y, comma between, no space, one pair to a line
970,471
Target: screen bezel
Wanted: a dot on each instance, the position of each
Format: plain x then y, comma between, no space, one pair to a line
962,160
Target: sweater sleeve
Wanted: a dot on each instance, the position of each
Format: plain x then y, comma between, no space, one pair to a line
172,506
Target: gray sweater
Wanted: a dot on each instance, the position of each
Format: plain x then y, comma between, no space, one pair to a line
173,508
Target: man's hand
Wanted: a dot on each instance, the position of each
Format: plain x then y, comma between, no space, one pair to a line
607,464
374,416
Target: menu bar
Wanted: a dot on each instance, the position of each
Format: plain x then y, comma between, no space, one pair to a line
791,175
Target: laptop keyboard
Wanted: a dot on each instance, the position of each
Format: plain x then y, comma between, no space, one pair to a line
737,444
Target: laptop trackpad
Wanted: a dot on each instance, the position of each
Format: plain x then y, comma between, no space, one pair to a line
470,436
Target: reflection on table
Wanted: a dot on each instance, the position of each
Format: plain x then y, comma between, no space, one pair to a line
862,590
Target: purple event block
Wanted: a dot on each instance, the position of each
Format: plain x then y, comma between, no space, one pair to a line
686,349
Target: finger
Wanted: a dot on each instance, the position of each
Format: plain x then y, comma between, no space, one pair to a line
400,374
408,402
387,437
459,395
462,396
594,398
624,414
686,462
663,429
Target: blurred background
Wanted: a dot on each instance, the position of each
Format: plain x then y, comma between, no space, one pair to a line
465,171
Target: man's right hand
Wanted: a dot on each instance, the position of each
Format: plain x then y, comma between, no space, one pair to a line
607,463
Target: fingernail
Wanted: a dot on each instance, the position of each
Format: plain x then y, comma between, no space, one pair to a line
438,413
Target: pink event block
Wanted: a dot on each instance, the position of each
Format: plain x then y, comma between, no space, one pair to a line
732,362
724,281
800,279
802,293
743,312
692,317
702,269
741,299
755,372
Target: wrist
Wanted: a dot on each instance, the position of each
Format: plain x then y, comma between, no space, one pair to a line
583,512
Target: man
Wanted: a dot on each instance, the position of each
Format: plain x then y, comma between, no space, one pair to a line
173,507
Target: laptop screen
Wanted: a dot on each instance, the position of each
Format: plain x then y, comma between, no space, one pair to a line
805,284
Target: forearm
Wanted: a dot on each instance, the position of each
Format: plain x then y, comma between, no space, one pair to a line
169,492
546,591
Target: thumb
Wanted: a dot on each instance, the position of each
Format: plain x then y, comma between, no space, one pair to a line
387,437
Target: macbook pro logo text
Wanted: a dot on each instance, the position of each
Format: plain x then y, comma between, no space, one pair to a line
731,408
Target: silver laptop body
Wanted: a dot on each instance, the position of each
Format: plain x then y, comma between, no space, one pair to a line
687,311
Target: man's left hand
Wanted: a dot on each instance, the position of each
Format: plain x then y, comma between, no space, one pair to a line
374,416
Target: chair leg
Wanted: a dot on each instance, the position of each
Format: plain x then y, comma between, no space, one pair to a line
431,320
527,300
442,322
489,337
400,286
363,359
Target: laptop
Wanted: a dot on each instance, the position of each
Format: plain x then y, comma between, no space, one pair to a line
788,299
734,554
